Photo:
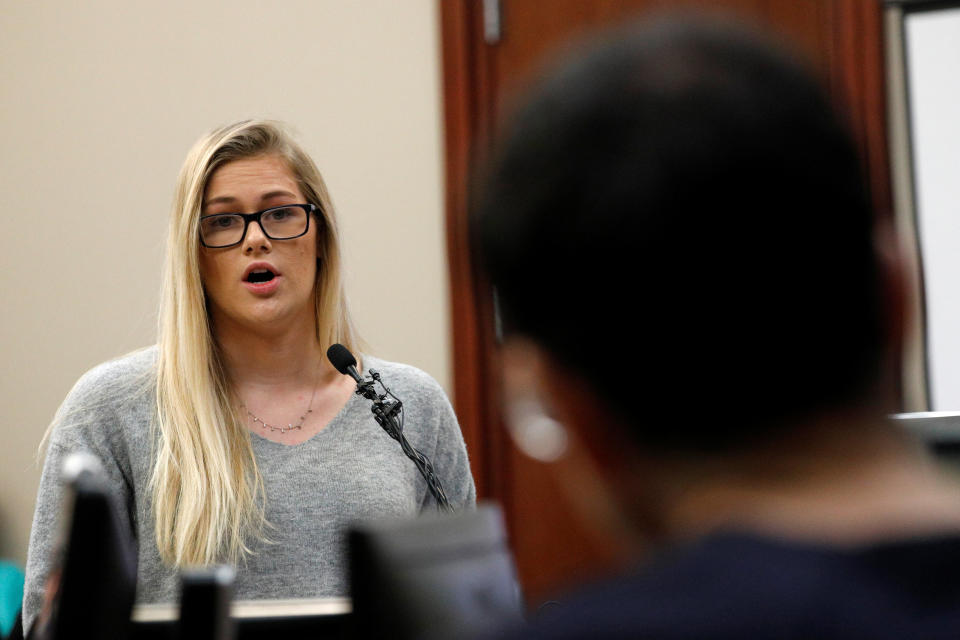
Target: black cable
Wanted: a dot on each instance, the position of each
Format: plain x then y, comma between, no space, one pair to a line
386,414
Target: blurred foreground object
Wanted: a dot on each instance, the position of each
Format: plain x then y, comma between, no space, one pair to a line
445,576
842,39
93,596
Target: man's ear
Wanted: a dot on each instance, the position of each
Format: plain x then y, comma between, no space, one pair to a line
599,429
899,298
531,374
902,309
597,469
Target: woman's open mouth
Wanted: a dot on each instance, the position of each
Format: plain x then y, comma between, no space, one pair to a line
260,275
261,279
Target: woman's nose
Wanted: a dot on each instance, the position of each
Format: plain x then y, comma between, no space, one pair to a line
256,240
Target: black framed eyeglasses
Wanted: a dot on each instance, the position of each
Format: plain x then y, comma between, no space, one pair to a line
289,221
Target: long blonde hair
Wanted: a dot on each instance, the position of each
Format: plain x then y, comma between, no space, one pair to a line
207,490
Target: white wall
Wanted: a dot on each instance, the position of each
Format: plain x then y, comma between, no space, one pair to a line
100,103
932,53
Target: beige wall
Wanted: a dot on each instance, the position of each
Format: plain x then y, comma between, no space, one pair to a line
100,102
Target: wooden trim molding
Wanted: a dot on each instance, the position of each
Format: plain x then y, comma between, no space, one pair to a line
857,68
466,98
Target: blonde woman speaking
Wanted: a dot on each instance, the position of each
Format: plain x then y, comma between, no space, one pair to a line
234,440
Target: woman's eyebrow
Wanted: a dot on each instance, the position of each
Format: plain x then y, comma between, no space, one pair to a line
275,194
265,196
219,200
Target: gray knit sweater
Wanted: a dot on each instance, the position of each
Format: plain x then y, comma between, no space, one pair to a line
350,471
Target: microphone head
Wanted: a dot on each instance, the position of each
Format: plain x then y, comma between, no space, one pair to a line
341,358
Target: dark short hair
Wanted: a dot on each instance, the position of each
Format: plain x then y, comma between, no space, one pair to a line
678,215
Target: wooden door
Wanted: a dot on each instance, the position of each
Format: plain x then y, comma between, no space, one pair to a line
490,50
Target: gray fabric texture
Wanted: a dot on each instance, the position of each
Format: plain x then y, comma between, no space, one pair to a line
351,470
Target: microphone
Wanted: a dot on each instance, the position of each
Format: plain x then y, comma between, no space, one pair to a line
343,361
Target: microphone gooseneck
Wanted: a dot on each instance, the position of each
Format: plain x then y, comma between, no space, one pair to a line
388,412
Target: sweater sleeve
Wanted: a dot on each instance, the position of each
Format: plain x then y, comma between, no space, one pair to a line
86,421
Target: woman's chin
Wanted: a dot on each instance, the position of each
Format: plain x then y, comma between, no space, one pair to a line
264,317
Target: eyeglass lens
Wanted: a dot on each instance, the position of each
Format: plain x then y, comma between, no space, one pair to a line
227,229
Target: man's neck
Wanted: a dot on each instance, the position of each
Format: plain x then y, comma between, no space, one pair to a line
845,480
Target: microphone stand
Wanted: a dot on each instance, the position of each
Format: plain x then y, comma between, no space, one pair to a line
388,412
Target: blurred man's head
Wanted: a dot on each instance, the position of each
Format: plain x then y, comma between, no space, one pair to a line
678,217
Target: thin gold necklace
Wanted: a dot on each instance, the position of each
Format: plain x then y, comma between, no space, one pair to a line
291,426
